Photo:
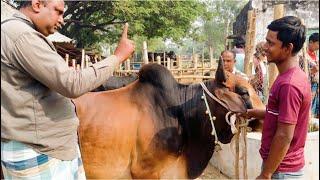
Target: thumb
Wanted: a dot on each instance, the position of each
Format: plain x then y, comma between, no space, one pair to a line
125,31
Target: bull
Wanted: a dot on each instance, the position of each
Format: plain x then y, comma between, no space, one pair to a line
157,128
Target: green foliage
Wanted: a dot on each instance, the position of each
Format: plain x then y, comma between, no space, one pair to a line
193,25
90,22
214,25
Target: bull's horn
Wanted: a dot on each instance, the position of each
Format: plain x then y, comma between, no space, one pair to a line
220,73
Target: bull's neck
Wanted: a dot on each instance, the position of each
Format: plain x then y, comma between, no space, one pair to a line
197,128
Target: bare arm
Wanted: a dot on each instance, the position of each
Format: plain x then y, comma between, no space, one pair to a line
255,113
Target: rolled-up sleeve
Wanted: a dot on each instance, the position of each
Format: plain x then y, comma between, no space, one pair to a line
34,55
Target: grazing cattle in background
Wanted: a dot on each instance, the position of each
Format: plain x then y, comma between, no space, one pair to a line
155,127
115,82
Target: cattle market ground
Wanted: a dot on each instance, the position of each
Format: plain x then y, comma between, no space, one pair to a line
212,172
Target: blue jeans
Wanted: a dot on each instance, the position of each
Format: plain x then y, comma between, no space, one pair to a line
287,175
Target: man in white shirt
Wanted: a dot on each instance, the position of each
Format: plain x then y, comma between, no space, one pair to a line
229,61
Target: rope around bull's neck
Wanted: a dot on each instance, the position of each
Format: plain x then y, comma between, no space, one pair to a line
242,125
204,87
212,118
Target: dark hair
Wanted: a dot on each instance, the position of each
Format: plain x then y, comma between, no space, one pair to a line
240,42
234,54
23,3
314,37
290,30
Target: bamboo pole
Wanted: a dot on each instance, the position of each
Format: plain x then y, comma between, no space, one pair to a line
153,57
278,12
226,35
195,61
243,131
82,58
304,55
212,63
179,62
67,59
168,63
250,42
74,66
87,61
145,52
202,60
95,59
127,62
237,158
158,60
164,58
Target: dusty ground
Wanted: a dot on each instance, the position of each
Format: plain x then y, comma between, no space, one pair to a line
212,173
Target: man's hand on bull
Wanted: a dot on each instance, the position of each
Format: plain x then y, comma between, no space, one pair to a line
125,47
254,113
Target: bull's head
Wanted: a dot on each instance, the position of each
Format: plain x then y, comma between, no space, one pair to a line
238,95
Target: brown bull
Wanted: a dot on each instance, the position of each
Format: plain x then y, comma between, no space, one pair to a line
154,127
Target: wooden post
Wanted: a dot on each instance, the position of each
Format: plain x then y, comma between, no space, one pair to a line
168,63
164,58
171,63
202,56
153,57
179,62
82,59
67,59
237,158
74,64
250,42
145,53
95,59
195,61
158,60
278,12
87,61
127,62
226,35
304,55
212,63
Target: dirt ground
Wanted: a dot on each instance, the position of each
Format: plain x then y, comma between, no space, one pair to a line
212,173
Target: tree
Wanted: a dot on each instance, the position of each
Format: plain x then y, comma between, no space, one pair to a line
90,22
213,31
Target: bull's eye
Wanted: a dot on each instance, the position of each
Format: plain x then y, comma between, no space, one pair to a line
244,93
241,90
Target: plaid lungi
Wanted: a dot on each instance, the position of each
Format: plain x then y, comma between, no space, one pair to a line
20,161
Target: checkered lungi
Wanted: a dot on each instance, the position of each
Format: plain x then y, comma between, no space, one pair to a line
20,161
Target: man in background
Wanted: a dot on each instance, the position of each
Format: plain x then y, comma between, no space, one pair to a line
229,62
240,53
313,59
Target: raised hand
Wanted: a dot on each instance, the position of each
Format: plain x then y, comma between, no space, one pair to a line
125,46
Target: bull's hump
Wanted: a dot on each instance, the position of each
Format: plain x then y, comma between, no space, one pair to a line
157,76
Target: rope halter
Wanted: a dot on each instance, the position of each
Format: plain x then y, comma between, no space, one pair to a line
231,120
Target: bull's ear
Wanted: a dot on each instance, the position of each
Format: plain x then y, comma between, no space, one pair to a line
232,100
220,73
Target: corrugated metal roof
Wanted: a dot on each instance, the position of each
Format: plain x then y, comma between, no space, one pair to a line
7,11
